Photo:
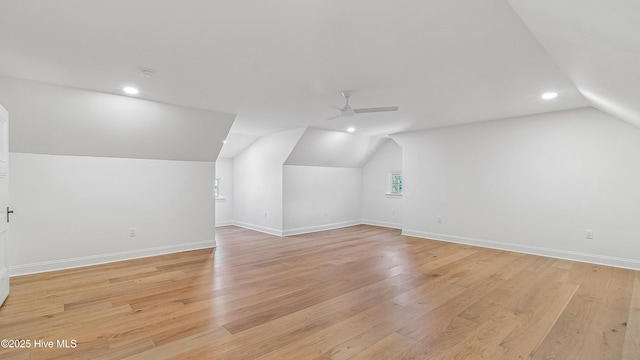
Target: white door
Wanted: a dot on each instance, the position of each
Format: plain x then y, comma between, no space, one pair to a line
4,203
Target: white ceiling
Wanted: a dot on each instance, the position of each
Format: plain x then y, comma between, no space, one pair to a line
597,44
235,143
318,147
282,64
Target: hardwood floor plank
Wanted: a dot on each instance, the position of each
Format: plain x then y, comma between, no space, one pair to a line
439,318
631,346
261,340
537,321
388,348
482,342
362,292
606,333
360,330
185,344
570,336
441,341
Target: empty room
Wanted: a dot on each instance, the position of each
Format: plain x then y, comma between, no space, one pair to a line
366,179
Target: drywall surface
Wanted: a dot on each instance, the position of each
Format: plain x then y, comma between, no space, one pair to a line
531,184
257,177
224,204
78,210
319,147
320,198
50,119
379,208
235,143
595,44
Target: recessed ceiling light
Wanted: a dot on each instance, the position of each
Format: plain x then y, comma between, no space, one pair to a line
549,95
130,90
351,129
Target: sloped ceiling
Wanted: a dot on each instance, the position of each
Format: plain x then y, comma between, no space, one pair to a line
597,44
235,143
281,65
318,147
50,119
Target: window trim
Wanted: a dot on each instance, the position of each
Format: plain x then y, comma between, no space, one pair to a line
217,189
389,193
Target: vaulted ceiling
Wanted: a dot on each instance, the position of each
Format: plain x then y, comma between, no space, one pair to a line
597,44
282,64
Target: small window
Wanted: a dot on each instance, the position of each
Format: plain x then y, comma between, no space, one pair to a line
216,188
395,183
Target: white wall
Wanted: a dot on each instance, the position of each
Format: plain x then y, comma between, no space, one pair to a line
224,205
50,119
319,198
531,184
306,180
377,207
77,210
257,176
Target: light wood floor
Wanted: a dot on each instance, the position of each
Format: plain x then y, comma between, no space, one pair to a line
356,293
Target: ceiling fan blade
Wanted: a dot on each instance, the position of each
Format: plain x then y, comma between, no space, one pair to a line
334,117
378,109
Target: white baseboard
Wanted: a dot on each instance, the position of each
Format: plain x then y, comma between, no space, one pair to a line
528,249
224,223
312,229
382,223
258,228
70,263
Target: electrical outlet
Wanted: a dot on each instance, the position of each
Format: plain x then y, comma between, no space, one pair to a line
393,211
439,220
132,232
588,234
265,214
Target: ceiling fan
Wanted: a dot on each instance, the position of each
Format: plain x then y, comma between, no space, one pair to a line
347,110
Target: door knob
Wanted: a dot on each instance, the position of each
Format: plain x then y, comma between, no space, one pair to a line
9,212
